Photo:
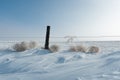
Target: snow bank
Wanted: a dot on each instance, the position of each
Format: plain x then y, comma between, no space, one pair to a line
38,64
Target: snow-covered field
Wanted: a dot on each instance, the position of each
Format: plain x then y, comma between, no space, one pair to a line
38,64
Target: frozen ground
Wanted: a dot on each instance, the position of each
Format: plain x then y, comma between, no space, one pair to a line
40,64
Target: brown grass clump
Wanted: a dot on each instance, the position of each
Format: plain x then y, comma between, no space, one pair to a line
54,48
80,48
20,46
32,44
72,48
77,48
24,46
93,49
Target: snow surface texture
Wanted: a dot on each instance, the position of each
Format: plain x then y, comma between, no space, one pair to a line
40,64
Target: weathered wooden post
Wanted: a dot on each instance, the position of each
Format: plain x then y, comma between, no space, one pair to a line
47,37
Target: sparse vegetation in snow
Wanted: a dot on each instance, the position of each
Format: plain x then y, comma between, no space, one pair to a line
93,49
72,48
22,46
78,48
81,48
54,48
33,44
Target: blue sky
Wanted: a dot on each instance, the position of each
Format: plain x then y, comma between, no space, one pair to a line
66,17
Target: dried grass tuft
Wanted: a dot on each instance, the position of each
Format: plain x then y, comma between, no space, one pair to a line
93,49
54,48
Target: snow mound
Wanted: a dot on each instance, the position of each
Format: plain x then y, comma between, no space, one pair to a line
39,64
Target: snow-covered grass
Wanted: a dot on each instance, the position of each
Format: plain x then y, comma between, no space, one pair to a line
83,49
39,64
54,48
93,49
33,44
22,46
77,48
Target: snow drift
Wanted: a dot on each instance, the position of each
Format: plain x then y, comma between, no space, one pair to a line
39,64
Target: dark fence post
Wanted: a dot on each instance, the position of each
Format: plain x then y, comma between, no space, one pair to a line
47,37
